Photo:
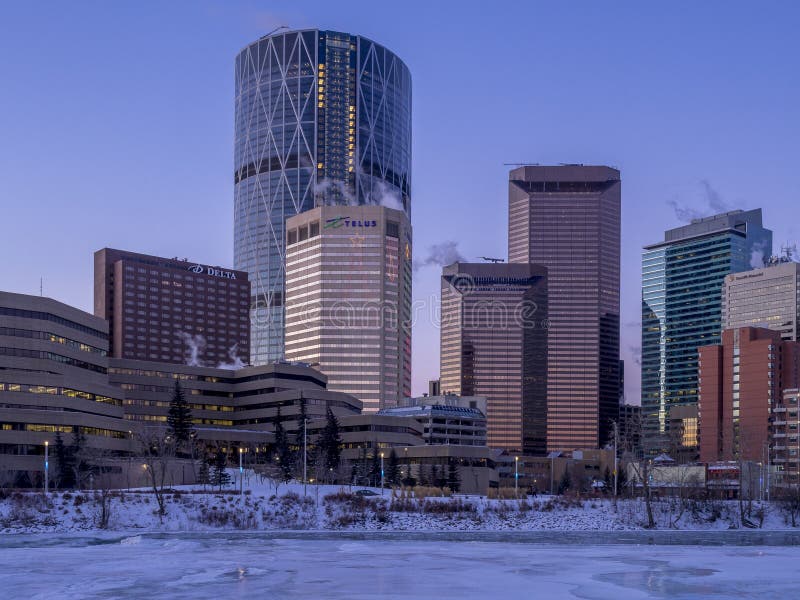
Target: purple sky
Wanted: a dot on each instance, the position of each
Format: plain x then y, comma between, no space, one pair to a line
116,124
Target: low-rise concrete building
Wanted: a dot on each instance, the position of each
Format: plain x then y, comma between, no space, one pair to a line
54,382
449,420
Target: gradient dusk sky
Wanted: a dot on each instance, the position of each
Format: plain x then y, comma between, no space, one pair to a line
116,124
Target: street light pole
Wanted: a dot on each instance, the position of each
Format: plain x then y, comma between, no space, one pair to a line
381,473
305,455
616,464
46,468
241,472
516,476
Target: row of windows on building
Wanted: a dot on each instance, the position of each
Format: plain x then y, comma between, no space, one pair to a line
58,391
211,281
45,428
67,360
43,316
51,337
174,288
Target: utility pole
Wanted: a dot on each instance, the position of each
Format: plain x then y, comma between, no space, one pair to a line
305,455
616,464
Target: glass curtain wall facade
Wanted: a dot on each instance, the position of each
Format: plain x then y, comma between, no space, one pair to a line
321,118
682,282
567,218
494,344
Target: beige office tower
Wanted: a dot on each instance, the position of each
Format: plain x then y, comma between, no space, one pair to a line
767,297
348,299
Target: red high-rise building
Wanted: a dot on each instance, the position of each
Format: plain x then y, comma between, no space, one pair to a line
741,384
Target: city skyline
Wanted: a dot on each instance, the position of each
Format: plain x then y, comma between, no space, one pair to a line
726,147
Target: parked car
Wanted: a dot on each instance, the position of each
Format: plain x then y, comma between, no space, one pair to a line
365,493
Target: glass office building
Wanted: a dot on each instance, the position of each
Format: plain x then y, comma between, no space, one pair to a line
682,284
321,118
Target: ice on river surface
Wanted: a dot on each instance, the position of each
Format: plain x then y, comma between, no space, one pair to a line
220,565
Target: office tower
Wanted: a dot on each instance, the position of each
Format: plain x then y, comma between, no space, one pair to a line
567,218
766,297
348,299
321,118
682,280
742,381
172,310
494,344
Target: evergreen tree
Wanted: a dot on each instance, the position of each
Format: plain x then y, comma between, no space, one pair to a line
565,483
363,472
76,455
204,476
393,471
453,477
375,467
179,417
608,481
220,476
331,443
622,478
436,476
283,454
64,473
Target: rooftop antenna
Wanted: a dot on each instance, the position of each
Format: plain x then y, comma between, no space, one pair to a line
278,28
789,251
492,260
41,286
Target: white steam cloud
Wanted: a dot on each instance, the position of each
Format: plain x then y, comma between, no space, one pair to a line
195,344
440,255
236,362
711,203
757,258
331,191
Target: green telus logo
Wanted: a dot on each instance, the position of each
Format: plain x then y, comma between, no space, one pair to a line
334,223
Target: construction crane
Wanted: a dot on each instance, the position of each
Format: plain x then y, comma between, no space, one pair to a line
492,260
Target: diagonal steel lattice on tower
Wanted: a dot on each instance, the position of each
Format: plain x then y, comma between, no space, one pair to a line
321,118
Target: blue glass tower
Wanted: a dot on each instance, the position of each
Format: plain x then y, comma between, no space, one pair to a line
682,280
321,118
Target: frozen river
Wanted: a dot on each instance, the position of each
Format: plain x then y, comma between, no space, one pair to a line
361,566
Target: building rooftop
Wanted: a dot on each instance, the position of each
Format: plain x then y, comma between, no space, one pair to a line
735,221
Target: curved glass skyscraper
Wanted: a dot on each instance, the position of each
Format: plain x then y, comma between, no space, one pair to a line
322,118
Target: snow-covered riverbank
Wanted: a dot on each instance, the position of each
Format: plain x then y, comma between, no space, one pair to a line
338,508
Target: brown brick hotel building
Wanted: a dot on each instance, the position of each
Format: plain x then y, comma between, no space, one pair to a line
172,310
